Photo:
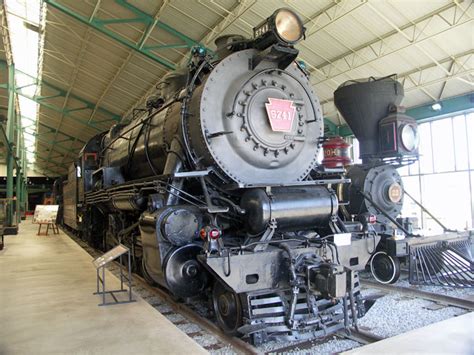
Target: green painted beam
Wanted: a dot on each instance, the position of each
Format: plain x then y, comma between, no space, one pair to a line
10,137
6,143
344,131
331,127
19,172
56,144
449,106
52,129
37,156
139,17
59,92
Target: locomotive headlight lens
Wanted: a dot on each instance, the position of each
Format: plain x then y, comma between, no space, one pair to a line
288,26
284,26
409,137
395,192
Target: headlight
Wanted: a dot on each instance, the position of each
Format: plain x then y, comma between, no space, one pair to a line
395,192
288,26
409,137
284,26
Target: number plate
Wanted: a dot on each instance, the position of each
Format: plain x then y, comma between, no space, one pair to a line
281,114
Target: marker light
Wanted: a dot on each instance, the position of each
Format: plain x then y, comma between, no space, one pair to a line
372,219
214,234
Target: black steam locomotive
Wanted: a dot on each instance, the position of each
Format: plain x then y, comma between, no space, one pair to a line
216,188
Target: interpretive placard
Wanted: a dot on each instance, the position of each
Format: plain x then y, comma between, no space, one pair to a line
110,255
45,214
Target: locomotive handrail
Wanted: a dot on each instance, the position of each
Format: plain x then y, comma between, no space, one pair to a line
393,220
141,185
189,174
141,122
296,183
184,114
446,229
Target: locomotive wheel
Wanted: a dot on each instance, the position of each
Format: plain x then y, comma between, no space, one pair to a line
227,308
184,275
385,268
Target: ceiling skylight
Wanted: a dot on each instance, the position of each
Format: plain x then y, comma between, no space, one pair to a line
23,18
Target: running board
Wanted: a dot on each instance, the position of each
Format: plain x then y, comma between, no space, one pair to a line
445,263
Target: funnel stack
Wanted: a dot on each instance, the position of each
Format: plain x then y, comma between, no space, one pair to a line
363,103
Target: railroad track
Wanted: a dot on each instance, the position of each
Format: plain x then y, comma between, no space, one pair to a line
202,330
417,293
206,333
362,337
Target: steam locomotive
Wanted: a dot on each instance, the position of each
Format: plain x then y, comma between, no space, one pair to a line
217,188
388,140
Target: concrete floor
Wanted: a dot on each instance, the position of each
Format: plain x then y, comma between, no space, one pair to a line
47,305
451,336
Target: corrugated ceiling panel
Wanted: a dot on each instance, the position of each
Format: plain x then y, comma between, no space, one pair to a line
108,73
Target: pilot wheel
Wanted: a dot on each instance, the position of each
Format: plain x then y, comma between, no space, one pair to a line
385,268
227,308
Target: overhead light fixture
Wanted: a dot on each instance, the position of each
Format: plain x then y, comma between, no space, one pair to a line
436,106
31,26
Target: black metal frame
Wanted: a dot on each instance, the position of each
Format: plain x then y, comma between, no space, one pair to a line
442,263
128,278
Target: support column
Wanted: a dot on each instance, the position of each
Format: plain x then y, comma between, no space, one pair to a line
10,131
19,169
25,182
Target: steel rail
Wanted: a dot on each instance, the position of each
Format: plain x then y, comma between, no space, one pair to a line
416,293
363,336
238,345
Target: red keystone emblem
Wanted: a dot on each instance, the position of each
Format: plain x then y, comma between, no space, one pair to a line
281,114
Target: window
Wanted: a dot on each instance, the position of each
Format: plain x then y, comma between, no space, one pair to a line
425,149
443,178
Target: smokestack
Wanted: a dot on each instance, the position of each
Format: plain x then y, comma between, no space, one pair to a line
363,103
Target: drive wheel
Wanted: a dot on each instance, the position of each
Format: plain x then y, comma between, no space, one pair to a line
385,268
227,308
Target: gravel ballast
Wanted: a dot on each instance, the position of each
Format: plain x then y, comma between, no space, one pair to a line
395,314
